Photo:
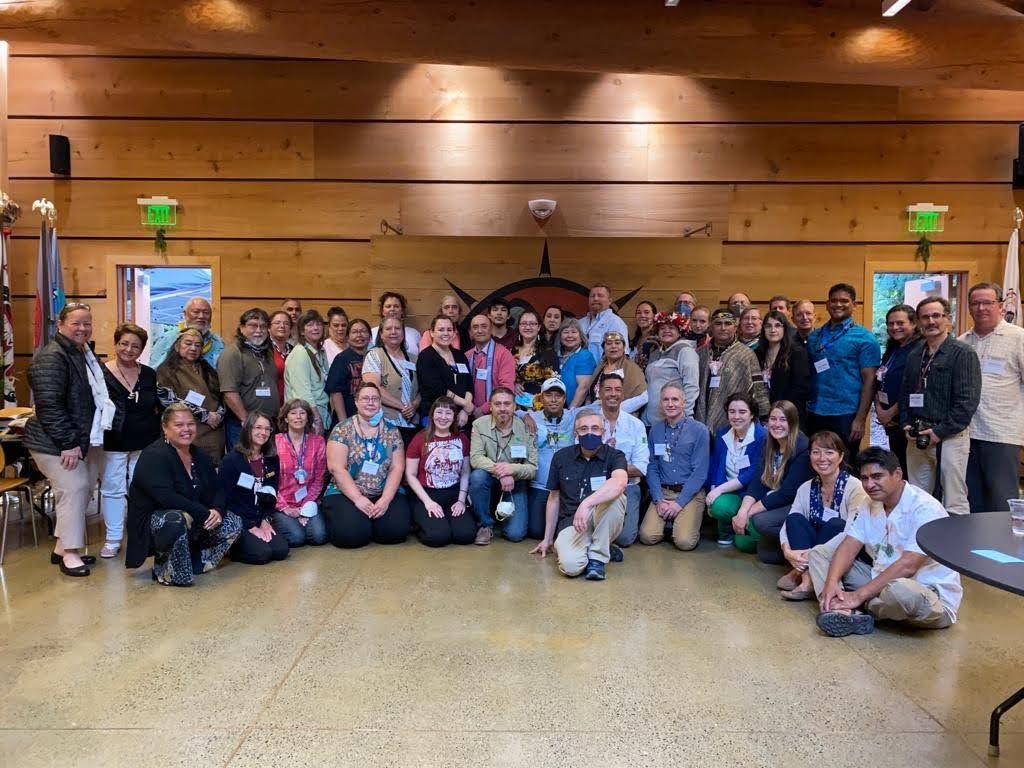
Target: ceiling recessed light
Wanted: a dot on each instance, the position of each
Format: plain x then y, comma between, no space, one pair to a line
892,7
671,3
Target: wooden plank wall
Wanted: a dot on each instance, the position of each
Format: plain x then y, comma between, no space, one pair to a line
285,169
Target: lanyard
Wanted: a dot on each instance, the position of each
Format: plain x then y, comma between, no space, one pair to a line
670,447
922,376
300,457
490,362
825,338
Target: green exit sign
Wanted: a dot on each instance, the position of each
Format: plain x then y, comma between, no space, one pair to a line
925,221
925,217
158,211
159,215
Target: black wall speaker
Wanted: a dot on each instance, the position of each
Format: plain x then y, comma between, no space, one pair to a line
1018,164
60,155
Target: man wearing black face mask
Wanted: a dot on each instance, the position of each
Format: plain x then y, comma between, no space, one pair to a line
586,501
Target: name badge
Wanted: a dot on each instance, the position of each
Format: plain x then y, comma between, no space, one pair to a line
883,398
301,493
822,365
407,365
995,366
461,368
917,400
715,383
659,449
246,481
744,462
596,482
194,398
829,514
482,373
370,468
518,451
262,391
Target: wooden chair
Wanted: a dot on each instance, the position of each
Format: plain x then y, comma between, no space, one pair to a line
22,487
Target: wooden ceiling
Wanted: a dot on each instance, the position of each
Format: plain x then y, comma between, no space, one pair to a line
958,43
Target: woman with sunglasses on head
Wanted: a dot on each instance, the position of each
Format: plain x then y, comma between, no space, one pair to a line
366,459
645,339
437,473
785,367
133,390
551,328
65,434
249,476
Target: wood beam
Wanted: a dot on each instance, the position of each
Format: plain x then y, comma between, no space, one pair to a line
766,41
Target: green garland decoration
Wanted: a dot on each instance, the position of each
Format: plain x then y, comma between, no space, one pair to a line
924,251
160,241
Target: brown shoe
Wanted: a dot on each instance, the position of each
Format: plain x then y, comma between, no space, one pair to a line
788,582
484,536
800,593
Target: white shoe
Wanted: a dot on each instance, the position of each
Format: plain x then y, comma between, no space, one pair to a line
110,549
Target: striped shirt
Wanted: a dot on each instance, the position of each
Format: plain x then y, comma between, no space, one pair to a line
1000,415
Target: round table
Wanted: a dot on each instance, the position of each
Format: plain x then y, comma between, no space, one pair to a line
952,542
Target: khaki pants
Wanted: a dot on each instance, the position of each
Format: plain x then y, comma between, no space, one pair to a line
903,600
921,470
685,528
72,491
574,549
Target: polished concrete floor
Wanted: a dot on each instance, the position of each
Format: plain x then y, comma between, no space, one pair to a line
405,656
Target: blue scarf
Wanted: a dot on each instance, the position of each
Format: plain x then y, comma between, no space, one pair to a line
818,505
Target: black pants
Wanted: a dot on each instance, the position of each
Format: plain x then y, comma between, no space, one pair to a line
841,425
769,524
254,551
898,445
349,528
993,471
441,531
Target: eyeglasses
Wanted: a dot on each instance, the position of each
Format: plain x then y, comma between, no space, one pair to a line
262,429
596,429
982,304
368,400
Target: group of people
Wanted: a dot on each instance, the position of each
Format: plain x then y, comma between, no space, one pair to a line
571,431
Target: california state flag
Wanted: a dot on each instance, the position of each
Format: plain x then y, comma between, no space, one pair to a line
1011,282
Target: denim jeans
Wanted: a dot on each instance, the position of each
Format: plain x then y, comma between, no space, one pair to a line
631,523
313,532
538,513
232,430
484,490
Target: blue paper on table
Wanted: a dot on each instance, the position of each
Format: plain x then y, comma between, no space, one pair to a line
995,554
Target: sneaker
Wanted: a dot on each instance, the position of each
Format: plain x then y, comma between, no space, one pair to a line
110,549
841,624
616,554
595,571
484,536
725,541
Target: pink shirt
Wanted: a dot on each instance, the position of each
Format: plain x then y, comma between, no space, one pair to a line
502,374
315,464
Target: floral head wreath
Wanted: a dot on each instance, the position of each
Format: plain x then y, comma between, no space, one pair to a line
672,318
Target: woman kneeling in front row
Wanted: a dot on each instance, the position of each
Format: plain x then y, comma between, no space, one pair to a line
249,475
302,456
437,472
176,507
366,459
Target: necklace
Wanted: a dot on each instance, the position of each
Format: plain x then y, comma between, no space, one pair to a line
130,386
